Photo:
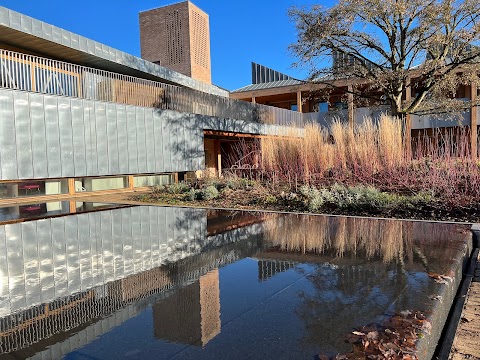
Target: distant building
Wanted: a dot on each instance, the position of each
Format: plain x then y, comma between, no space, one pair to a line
177,36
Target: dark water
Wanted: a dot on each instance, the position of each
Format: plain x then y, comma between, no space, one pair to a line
174,283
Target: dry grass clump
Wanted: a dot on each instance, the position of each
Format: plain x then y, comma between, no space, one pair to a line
374,153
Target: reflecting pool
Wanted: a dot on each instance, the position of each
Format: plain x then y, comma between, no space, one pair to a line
177,283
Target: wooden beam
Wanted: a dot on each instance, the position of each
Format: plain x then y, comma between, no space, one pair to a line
227,134
473,121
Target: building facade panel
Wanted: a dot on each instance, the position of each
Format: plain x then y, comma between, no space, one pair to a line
141,140
66,135
121,115
90,138
132,140
82,138
150,140
112,140
8,152
101,134
79,140
54,160
23,136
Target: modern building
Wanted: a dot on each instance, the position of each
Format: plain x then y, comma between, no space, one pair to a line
79,116
272,88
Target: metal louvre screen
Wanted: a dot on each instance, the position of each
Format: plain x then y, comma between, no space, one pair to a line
31,73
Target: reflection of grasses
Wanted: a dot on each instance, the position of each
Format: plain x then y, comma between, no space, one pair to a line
390,240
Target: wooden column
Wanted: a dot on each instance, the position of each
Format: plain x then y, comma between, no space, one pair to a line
218,155
299,101
351,107
130,182
408,119
71,186
254,100
473,120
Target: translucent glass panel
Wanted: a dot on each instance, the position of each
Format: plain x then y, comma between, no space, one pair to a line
32,188
152,180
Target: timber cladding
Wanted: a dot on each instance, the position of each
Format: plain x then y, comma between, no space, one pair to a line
178,37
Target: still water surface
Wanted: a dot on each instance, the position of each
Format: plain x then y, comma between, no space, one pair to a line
174,283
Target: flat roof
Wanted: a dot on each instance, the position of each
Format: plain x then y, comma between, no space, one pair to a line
25,32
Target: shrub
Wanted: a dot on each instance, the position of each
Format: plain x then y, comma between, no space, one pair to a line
191,195
357,197
158,189
238,183
178,188
270,199
208,193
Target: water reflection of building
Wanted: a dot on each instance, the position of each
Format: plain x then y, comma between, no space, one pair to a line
192,314
140,273
269,268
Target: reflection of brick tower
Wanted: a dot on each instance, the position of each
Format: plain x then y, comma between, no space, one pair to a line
178,37
192,314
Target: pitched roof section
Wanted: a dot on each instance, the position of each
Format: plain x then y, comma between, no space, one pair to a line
266,78
23,31
269,85
262,74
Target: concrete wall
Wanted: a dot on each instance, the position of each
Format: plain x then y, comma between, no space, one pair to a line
48,136
436,121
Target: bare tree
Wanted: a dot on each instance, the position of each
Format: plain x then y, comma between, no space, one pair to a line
384,47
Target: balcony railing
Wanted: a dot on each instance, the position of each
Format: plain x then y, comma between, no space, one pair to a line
36,74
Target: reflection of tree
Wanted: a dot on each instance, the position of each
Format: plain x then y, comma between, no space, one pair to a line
346,297
363,269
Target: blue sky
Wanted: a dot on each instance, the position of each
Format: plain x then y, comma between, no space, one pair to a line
240,31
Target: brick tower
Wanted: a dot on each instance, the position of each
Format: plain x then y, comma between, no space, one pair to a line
177,36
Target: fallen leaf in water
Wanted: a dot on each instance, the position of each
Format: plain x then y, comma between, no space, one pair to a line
358,333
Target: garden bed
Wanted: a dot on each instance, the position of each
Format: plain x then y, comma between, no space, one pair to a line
238,193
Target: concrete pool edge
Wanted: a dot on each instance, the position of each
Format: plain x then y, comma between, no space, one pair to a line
449,334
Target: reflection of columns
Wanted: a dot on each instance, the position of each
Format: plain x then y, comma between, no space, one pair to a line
192,314
351,115
12,190
473,120
299,101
